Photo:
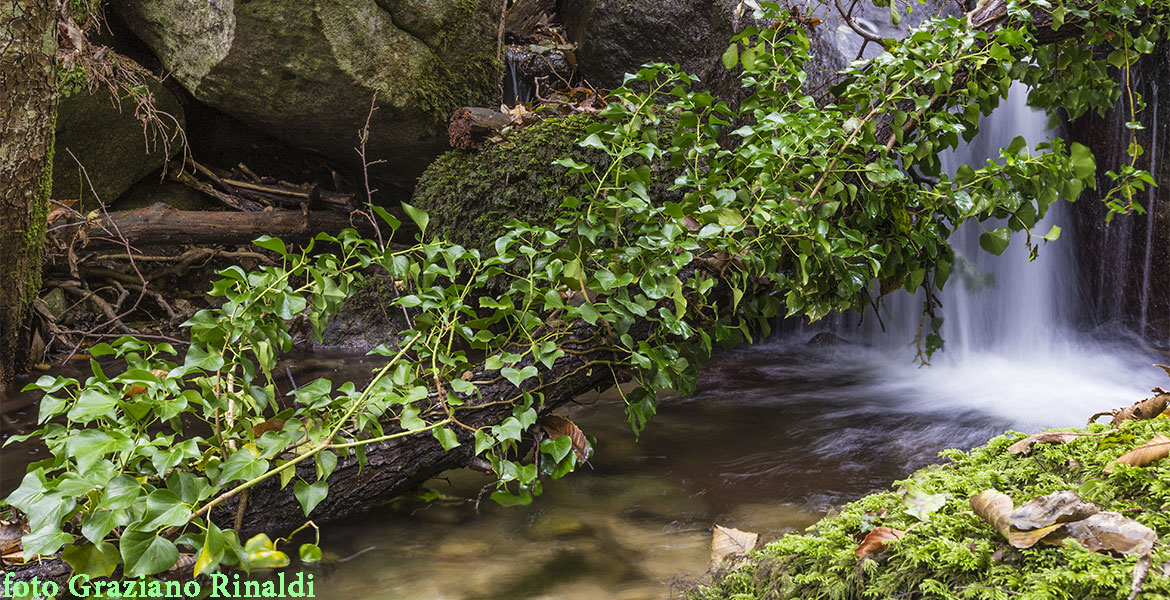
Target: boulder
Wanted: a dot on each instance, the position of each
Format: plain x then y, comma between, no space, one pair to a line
305,71
109,143
614,37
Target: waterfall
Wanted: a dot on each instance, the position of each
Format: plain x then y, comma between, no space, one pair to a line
1012,348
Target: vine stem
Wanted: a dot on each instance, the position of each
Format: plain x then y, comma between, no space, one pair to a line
328,443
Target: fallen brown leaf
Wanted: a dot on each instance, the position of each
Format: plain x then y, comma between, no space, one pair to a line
269,425
556,426
1024,446
1142,409
726,541
877,539
1156,449
1061,507
1111,532
995,507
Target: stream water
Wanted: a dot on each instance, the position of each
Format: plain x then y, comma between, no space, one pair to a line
775,436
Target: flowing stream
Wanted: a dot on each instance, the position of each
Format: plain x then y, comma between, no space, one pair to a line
776,434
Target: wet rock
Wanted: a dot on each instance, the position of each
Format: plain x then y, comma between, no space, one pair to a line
108,142
614,37
825,339
56,303
1126,264
551,525
305,72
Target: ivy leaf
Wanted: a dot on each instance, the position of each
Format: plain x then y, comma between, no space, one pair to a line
262,553
147,553
310,495
270,243
419,216
164,509
310,553
446,437
518,376
1083,163
996,240
212,551
731,56
95,560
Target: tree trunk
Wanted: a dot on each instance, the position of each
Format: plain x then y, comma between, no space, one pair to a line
28,108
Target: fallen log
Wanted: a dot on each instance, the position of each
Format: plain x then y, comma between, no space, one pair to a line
160,224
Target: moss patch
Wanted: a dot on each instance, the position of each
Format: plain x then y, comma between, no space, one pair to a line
471,195
954,554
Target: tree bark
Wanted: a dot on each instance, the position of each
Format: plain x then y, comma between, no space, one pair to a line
28,108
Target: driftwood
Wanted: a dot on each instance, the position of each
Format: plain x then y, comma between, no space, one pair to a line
471,124
159,224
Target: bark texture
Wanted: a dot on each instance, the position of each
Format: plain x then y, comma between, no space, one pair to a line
28,104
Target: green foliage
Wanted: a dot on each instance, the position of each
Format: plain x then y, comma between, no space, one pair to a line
800,213
953,554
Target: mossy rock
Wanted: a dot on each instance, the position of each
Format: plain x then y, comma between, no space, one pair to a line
953,554
306,71
472,194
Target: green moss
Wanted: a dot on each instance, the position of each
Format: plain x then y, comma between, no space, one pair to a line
954,554
34,237
471,195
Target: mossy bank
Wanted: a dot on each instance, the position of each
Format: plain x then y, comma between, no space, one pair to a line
955,554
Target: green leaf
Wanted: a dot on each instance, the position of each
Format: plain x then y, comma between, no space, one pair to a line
98,524
1053,234
559,448
483,441
270,243
95,560
446,437
146,553
91,445
731,56
326,461
241,465
1083,163
212,551
164,509
262,553
310,553
996,240
93,404
518,376
310,495
419,216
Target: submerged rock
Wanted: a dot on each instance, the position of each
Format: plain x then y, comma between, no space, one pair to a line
306,71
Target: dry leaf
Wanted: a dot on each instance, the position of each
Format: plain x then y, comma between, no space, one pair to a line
1024,446
269,425
995,507
726,541
1156,449
1111,532
10,534
1141,570
877,539
1061,507
556,426
1142,409
141,389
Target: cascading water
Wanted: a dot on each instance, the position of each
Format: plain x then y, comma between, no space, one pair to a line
1011,347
